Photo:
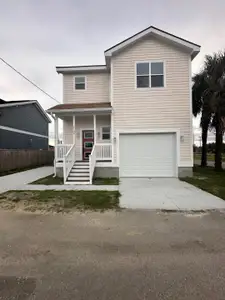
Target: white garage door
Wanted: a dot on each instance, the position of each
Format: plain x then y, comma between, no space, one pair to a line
147,155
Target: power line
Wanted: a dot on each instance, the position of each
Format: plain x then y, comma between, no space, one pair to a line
34,84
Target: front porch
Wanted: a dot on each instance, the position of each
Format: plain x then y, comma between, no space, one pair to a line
86,142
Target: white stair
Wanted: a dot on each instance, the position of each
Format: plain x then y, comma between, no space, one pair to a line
79,174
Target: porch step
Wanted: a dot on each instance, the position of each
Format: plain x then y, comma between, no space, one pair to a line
86,174
79,174
77,182
80,167
75,171
78,179
82,162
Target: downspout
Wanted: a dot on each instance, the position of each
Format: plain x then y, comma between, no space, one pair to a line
54,118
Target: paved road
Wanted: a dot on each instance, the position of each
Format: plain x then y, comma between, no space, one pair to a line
165,193
114,256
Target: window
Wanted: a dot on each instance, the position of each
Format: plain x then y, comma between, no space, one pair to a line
88,135
150,74
106,133
80,83
88,145
87,154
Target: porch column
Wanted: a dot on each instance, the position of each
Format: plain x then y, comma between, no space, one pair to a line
56,131
95,132
56,136
112,136
74,129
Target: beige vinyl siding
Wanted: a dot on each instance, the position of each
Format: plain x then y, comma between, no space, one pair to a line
156,108
82,123
97,88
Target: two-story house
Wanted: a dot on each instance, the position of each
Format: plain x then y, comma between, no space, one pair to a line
131,117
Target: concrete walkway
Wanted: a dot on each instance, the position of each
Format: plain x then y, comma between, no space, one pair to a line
19,181
16,180
165,193
67,187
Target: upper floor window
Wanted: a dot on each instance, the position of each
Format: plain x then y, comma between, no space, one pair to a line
106,133
150,74
80,83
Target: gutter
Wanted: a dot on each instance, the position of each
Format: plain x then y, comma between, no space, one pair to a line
106,109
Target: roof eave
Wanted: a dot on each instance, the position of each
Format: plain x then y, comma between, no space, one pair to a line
78,69
80,110
42,111
194,48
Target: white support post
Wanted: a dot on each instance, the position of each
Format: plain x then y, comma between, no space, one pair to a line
56,136
95,133
74,129
112,137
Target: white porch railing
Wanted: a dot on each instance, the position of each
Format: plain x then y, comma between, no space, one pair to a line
68,162
103,151
61,151
92,162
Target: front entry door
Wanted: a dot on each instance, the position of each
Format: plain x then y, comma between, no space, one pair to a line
88,142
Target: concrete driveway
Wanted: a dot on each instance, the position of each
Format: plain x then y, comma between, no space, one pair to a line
165,193
113,255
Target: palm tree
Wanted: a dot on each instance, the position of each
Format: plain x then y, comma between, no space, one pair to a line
214,98
199,105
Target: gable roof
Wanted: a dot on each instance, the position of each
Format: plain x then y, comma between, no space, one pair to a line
4,103
154,31
151,30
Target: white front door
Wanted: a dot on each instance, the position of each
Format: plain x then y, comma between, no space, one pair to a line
147,155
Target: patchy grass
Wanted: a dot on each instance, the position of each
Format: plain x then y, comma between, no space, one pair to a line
50,180
210,157
106,181
60,201
208,180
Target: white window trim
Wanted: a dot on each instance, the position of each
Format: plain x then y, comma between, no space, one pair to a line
74,83
110,132
149,62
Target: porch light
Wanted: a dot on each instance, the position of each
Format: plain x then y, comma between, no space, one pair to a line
182,138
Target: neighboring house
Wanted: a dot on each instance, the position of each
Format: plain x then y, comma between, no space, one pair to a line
23,125
131,117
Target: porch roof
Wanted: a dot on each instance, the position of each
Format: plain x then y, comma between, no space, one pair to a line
81,107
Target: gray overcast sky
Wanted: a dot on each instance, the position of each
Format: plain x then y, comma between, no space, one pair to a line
35,36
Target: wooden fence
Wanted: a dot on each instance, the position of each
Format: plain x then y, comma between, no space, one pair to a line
20,159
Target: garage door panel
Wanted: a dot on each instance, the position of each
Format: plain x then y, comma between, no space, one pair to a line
147,155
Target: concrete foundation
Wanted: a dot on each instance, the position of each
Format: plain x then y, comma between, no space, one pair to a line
106,172
59,172
100,172
185,172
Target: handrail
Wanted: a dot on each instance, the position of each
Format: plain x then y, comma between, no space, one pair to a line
61,150
92,162
68,162
103,151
